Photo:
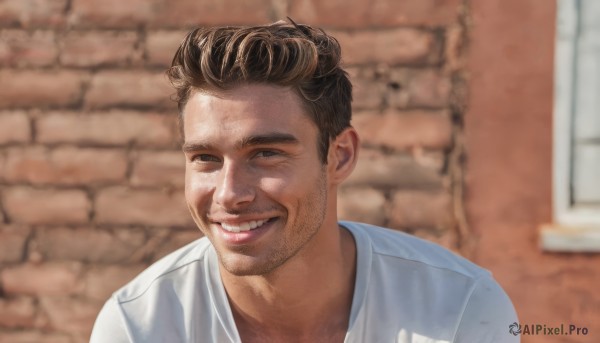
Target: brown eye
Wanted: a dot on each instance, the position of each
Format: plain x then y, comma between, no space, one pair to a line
267,153
205,158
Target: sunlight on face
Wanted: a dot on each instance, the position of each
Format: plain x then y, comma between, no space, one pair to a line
254,183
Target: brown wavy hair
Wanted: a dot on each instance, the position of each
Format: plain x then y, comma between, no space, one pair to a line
285,54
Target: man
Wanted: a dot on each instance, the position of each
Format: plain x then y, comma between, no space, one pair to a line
265,114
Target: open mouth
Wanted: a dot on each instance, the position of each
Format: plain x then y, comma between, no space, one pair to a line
247,226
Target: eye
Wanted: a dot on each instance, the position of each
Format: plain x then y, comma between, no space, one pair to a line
205,158
267,153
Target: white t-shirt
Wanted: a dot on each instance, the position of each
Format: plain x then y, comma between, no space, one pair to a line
406,290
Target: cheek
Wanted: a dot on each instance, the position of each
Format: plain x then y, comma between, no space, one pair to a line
273,185
290,189
197,188
284,188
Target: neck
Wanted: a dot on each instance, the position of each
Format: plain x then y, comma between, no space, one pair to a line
310,295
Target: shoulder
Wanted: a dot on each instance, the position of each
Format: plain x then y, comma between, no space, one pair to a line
161,304
405,248
172,265
416,282
488,315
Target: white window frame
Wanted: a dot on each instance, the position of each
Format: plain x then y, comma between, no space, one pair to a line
574,228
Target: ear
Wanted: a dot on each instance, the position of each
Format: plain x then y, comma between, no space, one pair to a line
342,155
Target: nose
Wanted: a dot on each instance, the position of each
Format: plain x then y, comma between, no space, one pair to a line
234,188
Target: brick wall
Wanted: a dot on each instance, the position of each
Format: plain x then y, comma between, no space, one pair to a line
91,175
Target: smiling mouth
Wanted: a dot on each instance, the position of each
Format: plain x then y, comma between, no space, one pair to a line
247,226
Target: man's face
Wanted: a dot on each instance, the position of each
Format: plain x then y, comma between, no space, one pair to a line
254,183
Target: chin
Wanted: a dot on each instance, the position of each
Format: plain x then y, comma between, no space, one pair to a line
242,265
245,269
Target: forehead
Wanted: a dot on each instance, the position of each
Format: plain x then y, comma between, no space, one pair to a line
245,110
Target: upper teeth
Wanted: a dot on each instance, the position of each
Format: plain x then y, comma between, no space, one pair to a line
244,226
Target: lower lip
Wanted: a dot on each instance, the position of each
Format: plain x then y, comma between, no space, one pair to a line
245,237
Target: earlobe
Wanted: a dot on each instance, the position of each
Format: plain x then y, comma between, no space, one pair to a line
344,151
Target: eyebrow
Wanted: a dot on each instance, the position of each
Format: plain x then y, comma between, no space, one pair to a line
266,139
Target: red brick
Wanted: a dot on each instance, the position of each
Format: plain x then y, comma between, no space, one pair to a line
14,127
45,206
156,238
32,13
158,168
71,315
189,13
385,171
88,244
336,13
129,88
161,46
431,159
102,281
39,88
95,49
377,13
12,243
44,279
453,49
361,204
368,88
418,12
163,13
176,240
33,337
20,48
17,312
111,13
446,238
418,88
395,46
405,130
119,205
64,165
108,128
417,209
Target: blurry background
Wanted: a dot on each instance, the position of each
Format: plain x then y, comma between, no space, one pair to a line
453,100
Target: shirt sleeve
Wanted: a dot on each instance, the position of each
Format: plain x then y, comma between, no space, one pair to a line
109,326
488,316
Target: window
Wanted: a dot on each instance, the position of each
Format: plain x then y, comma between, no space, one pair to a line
576,129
